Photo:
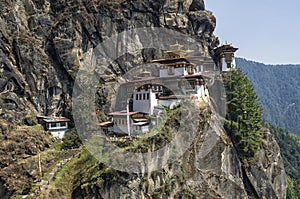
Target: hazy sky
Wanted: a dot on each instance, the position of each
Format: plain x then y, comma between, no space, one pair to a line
266,31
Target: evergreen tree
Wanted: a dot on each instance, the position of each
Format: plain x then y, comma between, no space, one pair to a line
244,115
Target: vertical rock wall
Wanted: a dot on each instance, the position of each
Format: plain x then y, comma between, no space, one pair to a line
43,42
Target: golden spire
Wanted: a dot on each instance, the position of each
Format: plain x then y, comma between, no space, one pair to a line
176,46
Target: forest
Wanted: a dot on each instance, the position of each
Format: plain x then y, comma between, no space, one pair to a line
278,90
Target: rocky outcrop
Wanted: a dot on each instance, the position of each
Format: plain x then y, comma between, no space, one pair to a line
268,176
210,168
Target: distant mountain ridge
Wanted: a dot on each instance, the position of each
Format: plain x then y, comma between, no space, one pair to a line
278,89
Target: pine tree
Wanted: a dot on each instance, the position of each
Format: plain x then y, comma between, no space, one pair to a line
244,113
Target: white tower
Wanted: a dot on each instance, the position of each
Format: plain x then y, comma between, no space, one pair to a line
224,57
144,100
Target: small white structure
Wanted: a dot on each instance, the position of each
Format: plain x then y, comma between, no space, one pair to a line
224,56
57,126
137,122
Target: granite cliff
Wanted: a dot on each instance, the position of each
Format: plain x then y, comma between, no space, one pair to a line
42,45
43,42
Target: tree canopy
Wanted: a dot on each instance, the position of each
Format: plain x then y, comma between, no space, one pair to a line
244,115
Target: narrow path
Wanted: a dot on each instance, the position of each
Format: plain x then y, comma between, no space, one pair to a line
43,185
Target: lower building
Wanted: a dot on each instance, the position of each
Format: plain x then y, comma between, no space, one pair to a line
57,126
126,123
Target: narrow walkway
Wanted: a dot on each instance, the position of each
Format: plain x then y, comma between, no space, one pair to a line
45,183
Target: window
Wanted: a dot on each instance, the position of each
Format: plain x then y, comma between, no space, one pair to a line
144,96
148,96
140,96
137,97
53,125
170,70
63,124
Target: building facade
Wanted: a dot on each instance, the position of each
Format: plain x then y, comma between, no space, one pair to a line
57,126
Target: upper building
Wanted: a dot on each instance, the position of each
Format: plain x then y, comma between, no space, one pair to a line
174,62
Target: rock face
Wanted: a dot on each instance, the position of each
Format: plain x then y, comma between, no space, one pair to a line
43,42
210,168
268,177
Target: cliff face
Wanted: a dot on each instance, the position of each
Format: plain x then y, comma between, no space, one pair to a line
210,168
43,42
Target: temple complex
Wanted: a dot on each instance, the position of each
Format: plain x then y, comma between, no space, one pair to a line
180,76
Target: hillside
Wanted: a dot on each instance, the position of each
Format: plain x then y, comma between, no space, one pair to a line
209,168
278,89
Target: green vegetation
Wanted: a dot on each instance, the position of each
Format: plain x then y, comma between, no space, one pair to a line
80,172
277,87
71,140
290,151
37,127
243,119
293,190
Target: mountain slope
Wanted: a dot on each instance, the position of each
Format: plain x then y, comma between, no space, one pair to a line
278,89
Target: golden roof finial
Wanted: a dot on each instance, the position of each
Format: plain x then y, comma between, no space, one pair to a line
176,46
227,44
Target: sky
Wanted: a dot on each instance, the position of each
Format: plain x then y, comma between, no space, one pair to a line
266,31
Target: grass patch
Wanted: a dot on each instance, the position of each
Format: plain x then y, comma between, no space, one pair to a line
57,145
